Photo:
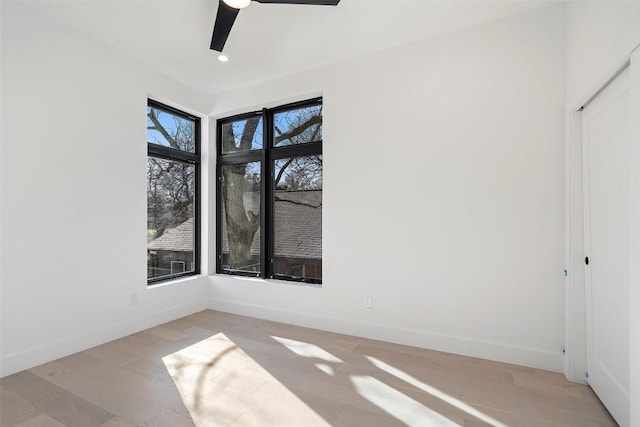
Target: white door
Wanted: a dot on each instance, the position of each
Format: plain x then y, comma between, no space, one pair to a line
606,143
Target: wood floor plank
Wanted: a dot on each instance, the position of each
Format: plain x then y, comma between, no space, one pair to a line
155,370
42,420
509,419
286,409
117,422
124,381
56,402
121,403
166,333
113,352
215,369
15,409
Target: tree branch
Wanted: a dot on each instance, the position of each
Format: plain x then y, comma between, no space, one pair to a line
282,169
299,129
247,134
158,126
301,203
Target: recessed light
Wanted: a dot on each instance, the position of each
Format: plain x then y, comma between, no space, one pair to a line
223,58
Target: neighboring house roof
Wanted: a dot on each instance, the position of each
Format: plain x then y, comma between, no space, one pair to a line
298,228
178,239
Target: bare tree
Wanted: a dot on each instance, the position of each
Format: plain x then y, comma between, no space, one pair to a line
242,223
170,184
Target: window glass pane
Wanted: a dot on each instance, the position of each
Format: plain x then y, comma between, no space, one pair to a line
242,135
170,229
297,126
298,217
170,130
241,217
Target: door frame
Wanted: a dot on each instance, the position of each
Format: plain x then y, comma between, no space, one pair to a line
634,245
575,363
615,88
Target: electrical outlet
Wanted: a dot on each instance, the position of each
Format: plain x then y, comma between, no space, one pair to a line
368,302
133,299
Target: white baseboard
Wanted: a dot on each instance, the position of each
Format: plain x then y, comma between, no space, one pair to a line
12,363
533,358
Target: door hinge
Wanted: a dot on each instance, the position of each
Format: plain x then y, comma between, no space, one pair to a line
586,260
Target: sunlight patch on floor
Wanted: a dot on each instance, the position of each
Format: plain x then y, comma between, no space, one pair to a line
311,351
220,384
397,404
325,368
307,350
435,392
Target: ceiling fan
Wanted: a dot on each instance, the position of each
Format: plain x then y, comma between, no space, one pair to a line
228,10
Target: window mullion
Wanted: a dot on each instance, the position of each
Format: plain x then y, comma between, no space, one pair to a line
296,150
219,215
268,195
235,158
155,150
265,267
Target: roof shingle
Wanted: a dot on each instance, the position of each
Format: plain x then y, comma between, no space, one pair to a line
298,228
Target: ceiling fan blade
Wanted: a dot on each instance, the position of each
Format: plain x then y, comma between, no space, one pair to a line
310,2
224,21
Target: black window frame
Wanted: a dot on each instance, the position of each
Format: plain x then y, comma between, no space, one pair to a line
266,156
172,154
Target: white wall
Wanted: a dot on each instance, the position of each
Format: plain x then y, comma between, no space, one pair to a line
600,39
443,194
73,194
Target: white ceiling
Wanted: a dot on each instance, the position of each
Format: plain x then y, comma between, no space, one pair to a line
267,41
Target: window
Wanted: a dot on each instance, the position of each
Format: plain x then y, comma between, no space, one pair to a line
173,178
269,190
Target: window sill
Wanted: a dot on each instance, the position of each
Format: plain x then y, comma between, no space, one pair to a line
248,279
175,281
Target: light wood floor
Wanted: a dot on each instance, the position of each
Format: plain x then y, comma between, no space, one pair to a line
216,369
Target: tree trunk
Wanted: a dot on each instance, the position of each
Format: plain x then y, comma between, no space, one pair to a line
242,224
